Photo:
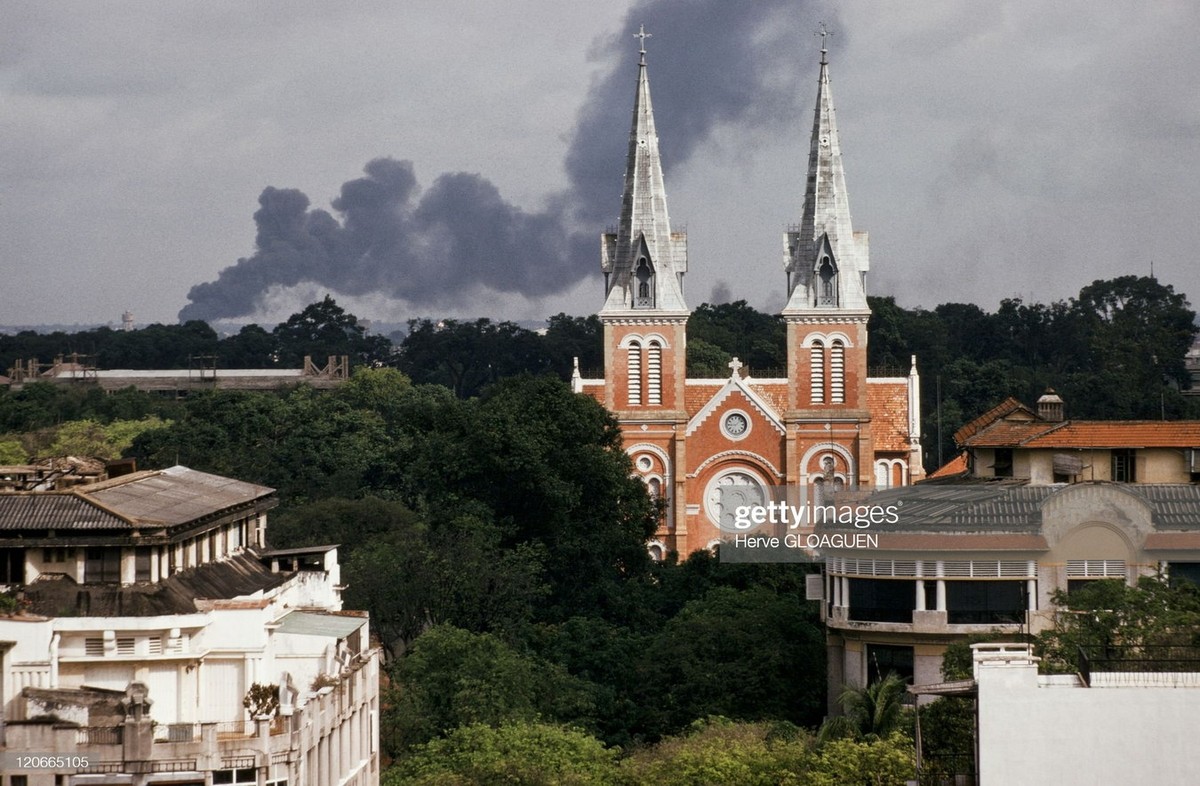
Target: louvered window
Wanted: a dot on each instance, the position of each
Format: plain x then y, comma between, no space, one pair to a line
1095,569
654,374
635,374
837,373
817,373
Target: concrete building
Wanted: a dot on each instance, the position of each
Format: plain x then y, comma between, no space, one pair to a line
987,556
76,370
1063,730
150,609
825,424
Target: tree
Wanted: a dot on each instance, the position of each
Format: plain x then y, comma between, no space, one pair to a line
771,653
1137,332
706,360
525,752
262,699
551,467
759,340
717,751
325,329
453,678
252,347
885,761
872,712
97,440
154,346
468,356
415,577
570,337
1109,620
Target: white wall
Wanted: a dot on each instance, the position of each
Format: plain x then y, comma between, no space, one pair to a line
1034,733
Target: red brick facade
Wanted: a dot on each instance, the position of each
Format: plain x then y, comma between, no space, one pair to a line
824,427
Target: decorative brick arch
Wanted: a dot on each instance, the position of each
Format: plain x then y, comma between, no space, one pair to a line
828,447
764,464
827,338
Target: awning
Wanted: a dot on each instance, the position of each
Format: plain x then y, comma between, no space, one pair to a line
308,623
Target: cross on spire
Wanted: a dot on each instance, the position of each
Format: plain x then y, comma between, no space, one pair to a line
735,366
824,33
642,34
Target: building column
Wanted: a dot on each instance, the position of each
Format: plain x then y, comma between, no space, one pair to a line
941,587
837,590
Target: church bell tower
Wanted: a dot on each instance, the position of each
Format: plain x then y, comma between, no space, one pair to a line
826,263
644,262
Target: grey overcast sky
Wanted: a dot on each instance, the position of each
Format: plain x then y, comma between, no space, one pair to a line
454,158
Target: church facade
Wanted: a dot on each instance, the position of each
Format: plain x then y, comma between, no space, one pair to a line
824,426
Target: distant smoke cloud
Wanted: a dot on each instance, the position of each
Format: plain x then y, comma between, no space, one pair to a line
711,64
721,293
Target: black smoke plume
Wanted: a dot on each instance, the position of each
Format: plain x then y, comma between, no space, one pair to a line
712,63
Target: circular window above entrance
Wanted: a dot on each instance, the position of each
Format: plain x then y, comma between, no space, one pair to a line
729,491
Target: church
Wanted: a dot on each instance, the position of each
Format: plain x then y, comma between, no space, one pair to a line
827,426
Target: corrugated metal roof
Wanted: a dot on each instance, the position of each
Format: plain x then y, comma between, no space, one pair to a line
310,623
53,510
175,496
239,576
1008,507
169,497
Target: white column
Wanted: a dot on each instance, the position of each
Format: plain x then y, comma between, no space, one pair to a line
837,590
846,591
54,642
941,587
920,594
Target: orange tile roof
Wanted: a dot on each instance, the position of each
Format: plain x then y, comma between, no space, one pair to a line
955,466
1007,433
888,403
774,393
1006,407
1121,434
696,396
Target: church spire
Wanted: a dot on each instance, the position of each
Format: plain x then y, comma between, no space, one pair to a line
825,260
644,261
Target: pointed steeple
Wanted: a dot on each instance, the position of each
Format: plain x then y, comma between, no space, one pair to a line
644,261
825,260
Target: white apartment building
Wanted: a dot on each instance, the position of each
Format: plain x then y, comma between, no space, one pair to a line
150,606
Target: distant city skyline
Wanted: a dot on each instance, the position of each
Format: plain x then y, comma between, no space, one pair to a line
992,150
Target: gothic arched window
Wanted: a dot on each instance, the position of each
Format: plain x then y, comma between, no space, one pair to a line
828,288
644,275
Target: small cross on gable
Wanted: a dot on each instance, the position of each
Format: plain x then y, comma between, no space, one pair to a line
735,366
